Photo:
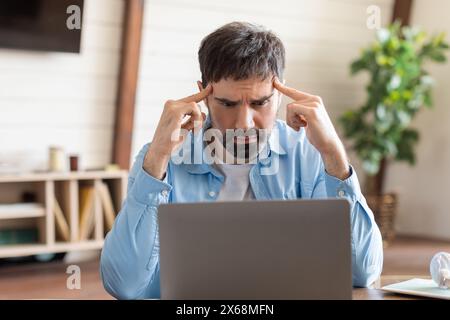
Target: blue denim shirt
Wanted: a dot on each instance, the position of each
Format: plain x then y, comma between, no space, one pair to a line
290,169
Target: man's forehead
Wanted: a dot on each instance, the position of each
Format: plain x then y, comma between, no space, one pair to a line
234,89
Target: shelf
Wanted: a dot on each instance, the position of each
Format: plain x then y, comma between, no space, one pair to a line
55,176
21,210
58,211
18,250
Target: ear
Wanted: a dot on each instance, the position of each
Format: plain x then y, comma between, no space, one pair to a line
280,95
284,83
200,88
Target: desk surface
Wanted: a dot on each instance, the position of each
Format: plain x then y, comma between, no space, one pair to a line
376,293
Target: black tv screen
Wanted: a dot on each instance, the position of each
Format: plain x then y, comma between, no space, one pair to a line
41,24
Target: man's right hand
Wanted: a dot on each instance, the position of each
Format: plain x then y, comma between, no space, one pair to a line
169,136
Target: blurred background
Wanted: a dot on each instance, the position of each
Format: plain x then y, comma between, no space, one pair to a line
82,86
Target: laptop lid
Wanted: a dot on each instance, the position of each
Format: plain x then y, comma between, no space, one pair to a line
291,249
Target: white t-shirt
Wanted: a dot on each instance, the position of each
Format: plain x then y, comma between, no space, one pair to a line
236,186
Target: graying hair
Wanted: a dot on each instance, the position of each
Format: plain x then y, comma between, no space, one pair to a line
241,50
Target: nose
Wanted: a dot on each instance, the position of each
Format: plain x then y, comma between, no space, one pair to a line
244,118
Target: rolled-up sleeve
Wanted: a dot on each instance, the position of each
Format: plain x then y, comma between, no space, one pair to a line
367,245
129,265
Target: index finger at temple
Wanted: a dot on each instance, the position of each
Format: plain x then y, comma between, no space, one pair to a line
198,96
290,92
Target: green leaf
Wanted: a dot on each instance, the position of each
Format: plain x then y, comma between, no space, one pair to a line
357,66
403,117
438,56
391,148
395,82
406,146
383,35
381,112
428,99
426,81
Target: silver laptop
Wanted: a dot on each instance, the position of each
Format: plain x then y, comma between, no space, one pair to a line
292,249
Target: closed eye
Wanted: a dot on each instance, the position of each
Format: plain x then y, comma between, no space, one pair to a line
260,103
228,104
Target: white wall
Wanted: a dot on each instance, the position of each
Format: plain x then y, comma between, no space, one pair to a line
425,189
66,99
321,38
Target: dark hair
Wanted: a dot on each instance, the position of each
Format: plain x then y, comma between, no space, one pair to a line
240,50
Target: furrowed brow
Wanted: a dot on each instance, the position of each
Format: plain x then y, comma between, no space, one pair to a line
262,99
223,100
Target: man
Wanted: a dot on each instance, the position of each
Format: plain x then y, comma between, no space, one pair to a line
241,65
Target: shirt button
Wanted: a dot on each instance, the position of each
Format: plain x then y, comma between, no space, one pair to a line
341,193
212,194
164,193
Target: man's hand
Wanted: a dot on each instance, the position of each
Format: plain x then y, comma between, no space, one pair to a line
309,112
169,136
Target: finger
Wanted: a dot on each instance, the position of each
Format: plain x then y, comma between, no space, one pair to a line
191,109
296,122
300,120
189,125
290,92
198,96
301,110
194,123
298,115
191,121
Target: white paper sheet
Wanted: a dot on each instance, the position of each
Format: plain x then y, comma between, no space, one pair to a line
419,287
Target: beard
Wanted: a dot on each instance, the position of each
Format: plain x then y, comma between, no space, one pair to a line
243,146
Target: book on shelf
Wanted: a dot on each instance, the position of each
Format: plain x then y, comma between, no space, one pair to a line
18,236
87,208
87,214
61,223
107,204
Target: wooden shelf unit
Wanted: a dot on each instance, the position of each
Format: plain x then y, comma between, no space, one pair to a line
65,188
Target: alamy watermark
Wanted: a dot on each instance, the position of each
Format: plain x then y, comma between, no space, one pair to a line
73,21
373,21
73,281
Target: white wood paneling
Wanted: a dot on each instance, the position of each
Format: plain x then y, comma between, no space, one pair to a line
50,98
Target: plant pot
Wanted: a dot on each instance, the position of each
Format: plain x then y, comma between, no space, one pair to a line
384,208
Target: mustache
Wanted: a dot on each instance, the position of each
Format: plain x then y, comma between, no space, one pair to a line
249,136
245,132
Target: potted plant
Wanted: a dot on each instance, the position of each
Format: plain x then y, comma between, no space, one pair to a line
399,87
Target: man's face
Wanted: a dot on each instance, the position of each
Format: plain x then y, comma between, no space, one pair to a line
248,107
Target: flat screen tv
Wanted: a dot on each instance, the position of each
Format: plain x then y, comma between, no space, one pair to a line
40,25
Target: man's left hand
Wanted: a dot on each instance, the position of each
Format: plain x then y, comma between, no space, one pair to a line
308,111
